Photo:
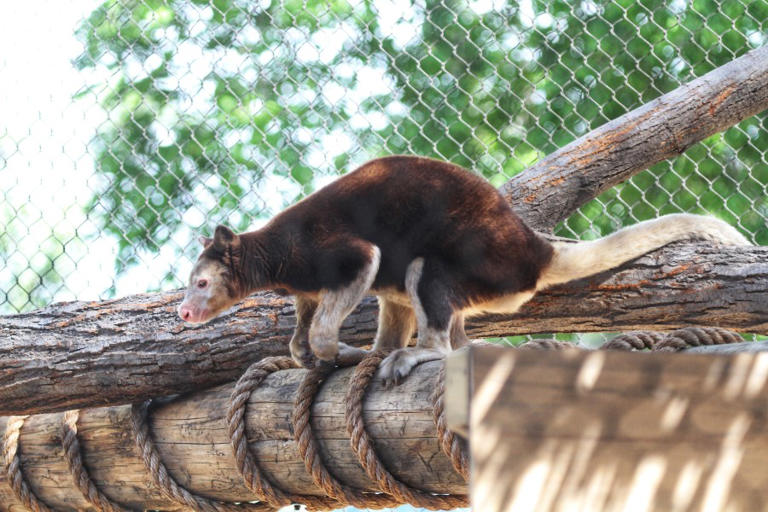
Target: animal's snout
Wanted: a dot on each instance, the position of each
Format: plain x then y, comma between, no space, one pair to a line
185,312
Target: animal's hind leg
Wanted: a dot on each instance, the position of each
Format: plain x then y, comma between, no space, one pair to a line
299,345
458,335
336,305
430,297
396,325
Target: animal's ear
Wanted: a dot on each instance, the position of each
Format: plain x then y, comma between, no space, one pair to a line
223,236
205,241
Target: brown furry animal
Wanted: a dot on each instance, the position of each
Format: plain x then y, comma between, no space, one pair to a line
432,241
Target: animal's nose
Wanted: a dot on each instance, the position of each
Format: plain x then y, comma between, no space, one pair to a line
185,312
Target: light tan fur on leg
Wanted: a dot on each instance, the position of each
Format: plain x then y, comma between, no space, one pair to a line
396,325
299,345
336,305
458,336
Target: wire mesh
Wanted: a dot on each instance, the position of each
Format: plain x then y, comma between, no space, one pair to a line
131,126
181,114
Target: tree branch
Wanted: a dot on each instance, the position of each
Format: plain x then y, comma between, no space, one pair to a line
85,354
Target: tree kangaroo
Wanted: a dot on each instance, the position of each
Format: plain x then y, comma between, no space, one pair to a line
434,242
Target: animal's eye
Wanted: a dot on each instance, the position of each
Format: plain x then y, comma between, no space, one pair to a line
202,283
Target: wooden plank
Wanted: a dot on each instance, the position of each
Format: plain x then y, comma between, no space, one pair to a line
603,430
457,391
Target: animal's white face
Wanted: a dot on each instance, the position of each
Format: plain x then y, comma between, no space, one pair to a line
208,292
212,286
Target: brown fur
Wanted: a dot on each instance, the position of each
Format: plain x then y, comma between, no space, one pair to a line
474,248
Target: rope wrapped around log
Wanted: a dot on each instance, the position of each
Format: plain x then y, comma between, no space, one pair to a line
333,492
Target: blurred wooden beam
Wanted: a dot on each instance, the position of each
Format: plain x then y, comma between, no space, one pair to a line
605,430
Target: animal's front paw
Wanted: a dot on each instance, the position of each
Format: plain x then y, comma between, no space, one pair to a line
396,366
324,346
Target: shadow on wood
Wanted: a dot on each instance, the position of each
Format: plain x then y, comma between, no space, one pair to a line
605,431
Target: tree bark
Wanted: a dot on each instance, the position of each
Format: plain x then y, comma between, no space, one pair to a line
81,354
554,187
190,434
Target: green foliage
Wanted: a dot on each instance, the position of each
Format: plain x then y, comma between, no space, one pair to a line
216,104
31,281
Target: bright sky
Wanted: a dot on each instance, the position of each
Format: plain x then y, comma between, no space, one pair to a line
43,135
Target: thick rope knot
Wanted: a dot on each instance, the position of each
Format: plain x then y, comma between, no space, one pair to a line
163,479
696,337
307,443
636,340
362,445
453,446
12,464
246,462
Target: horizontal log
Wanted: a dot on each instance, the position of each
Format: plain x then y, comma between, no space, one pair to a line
605,430
555,186
85,354
190,434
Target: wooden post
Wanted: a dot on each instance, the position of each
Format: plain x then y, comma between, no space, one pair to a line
605,431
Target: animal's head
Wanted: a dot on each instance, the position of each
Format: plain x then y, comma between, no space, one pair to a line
215,283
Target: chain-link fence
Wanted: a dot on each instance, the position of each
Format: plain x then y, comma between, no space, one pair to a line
132,126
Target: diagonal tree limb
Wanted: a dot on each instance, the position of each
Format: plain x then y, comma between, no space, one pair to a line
554,187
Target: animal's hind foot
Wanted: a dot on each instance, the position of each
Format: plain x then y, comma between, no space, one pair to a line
347,356
324,345
399,364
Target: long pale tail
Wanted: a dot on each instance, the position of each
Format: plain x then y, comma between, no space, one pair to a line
576,260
